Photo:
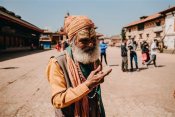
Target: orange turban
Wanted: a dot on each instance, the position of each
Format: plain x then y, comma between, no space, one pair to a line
74,24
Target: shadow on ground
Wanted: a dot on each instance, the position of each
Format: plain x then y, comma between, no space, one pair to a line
12,55
113,65
9,68
161,66
142,68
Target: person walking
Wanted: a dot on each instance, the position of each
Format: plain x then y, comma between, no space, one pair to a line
58,47
124,55
103,47
145,52
154,49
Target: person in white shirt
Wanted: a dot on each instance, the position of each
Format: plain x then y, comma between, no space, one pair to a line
154,49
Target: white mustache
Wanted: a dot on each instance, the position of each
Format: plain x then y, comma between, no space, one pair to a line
86,57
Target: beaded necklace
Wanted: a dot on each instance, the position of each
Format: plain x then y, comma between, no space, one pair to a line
83,79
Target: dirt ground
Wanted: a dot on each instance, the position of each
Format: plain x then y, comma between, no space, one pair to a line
25,92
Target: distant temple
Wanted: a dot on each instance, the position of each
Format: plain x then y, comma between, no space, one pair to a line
16,33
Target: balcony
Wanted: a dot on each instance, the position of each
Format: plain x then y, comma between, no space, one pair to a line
140,32
158,29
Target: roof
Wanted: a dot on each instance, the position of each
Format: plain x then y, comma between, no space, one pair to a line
45,39
168,10
55,34
99,34
46,31
10,16
151,17
62,33
117,37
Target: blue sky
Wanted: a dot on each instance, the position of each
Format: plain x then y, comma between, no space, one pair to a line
108,15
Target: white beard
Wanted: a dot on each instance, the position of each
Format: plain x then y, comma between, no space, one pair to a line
86,57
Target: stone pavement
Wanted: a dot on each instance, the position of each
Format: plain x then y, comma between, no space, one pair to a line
25,92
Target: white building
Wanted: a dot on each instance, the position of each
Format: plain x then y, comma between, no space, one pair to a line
169,39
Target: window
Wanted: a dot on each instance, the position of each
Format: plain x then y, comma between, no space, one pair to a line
157,34
61,37
129,37
147,35
140,27
158,23
129,30
140,36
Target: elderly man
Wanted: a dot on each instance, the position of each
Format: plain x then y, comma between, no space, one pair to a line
75,74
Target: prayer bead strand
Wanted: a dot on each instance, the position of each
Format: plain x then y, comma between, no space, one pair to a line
83,79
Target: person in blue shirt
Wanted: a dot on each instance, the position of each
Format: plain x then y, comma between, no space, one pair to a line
103,47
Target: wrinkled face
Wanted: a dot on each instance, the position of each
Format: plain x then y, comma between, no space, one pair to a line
86,40
85,47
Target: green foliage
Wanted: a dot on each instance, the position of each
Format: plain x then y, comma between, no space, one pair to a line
123,34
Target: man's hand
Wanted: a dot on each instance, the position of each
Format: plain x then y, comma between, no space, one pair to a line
96,77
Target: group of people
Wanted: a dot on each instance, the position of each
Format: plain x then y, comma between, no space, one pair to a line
129,48
61,46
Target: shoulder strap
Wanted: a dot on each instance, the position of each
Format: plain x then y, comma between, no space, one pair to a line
61,59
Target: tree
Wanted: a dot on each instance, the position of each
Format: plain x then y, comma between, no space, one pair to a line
123,34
